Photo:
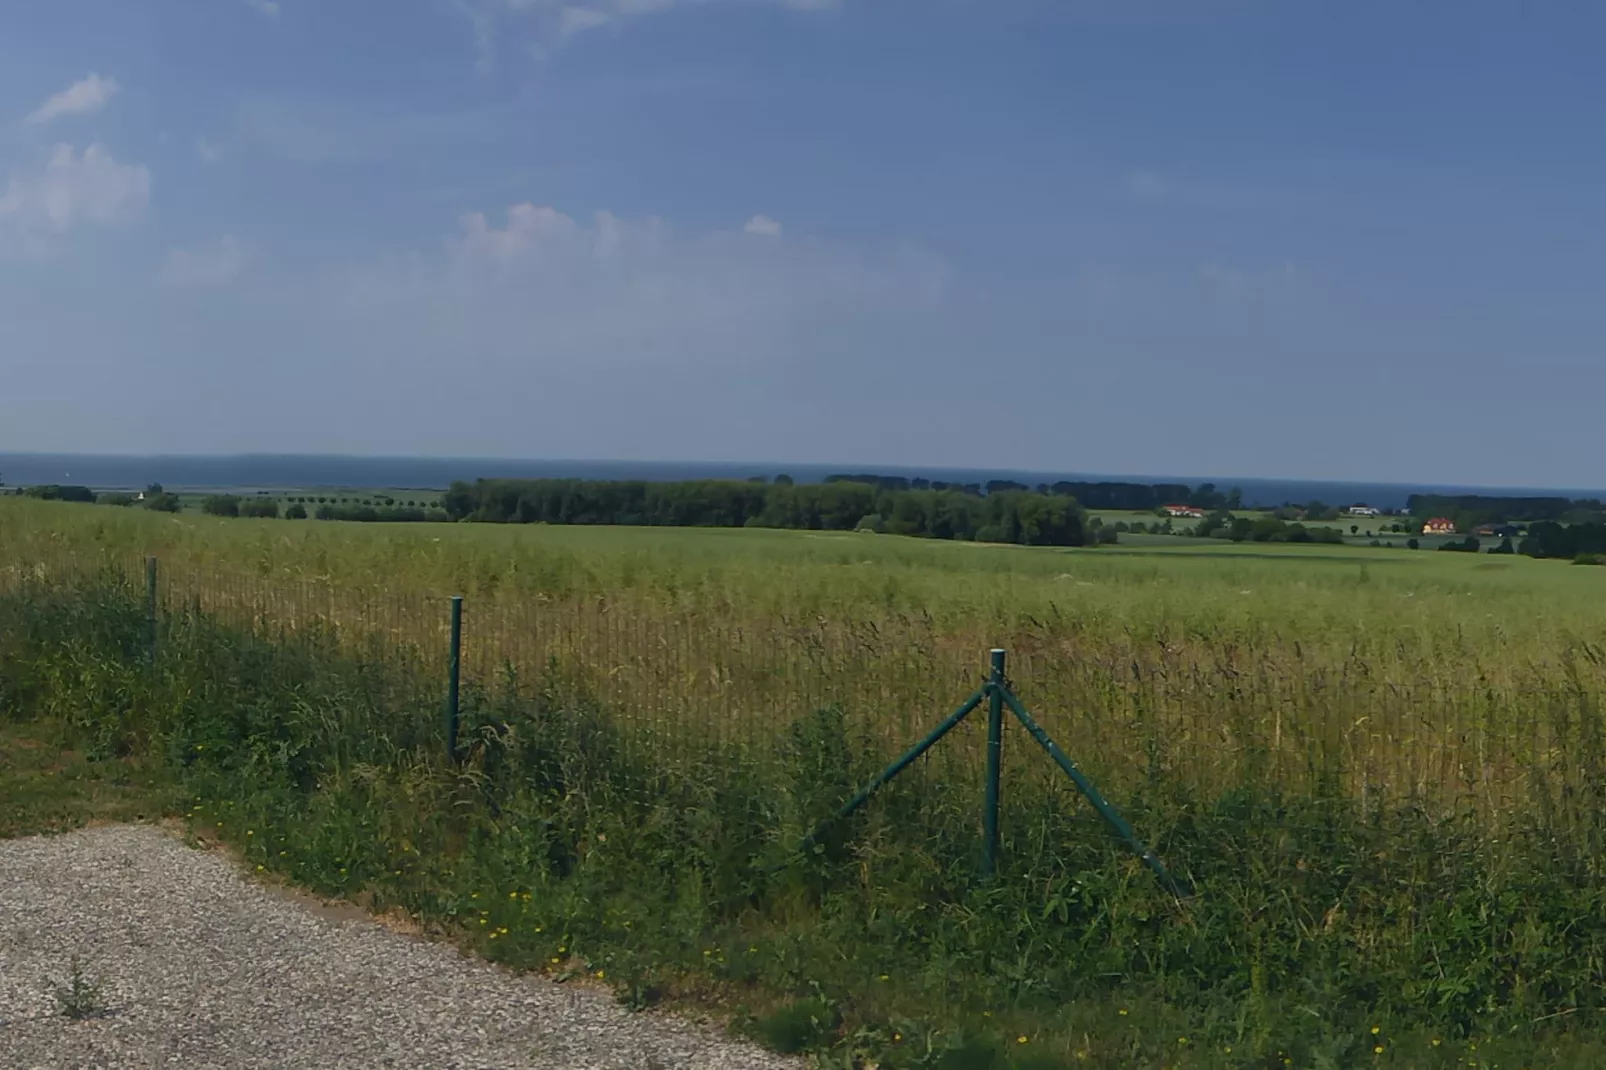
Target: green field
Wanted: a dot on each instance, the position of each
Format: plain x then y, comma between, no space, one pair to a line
1385,771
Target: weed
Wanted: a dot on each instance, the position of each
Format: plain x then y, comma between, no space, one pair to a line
797,1027
78,997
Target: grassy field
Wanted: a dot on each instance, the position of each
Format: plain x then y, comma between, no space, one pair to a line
1326,651
1384,769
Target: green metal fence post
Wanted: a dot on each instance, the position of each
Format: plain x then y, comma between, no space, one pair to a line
150,604
454,672
995,752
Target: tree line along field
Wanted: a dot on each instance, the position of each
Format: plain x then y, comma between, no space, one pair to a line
1383,770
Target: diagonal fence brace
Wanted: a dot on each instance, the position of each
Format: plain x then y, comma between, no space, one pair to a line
996,693
1110,814
903,762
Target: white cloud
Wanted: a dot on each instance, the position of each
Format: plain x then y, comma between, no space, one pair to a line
554,21
542,289
575,20
763,226
527,227
80,98
208,152
1152,187
73,188
212,265
270,8
1234,285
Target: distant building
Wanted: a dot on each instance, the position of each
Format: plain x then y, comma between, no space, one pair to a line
1439,526
1185,511
1496,531
1363,510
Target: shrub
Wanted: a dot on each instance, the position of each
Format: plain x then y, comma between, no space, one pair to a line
56,493
1590,559
221,505
263,508
164,503
116,498
296,512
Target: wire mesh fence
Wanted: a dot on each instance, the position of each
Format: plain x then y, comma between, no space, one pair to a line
709,693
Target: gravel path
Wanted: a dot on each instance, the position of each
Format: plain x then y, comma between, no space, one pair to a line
204,968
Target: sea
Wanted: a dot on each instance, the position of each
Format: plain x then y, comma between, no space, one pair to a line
281,472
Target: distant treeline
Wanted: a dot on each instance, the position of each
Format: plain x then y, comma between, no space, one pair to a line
1264,529
381,514
1550,539
56,493
1138,497
1010,516
1470,510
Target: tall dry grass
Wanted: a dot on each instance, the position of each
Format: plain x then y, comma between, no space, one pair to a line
1454,681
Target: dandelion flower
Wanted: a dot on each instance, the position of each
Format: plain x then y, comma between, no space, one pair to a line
1021,1039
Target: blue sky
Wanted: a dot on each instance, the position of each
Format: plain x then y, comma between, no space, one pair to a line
1243,237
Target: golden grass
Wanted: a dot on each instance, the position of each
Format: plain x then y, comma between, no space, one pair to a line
1460,679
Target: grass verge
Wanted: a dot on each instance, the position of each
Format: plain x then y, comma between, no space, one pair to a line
1326,934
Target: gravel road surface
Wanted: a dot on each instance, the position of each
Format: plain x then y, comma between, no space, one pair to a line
204,968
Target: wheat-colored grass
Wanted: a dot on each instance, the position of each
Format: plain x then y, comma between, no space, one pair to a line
1457,679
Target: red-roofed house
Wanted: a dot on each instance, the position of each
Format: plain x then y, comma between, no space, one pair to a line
1184,510
1439,526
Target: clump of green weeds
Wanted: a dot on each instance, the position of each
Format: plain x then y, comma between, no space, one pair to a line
79,997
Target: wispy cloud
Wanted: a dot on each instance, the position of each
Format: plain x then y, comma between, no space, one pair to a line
1157,188
575,20
540,287
763,226
213,265
541,24
80,98
73,188
269,8
1234,285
